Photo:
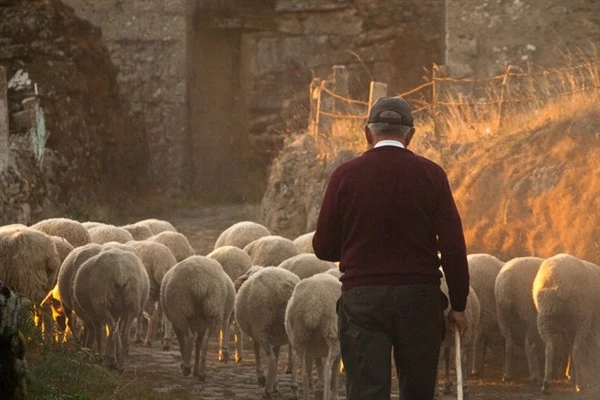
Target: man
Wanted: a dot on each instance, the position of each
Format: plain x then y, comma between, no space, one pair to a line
386,216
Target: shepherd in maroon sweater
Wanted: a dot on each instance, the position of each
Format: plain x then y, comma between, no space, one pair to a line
386,216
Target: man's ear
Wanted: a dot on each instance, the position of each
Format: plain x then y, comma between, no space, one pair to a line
409,136
368,135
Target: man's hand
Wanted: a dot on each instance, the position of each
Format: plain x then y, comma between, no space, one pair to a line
459,319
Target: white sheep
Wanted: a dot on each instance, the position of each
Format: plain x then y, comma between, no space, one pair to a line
91,224
176,242
111,288
66,276
260,307
157,225
270,251
157,259
311,323
306,265
472,312
241,234
139,232
483,270
194,296
109,233
235,263
566,294
517,316
304,242
73,231
29,262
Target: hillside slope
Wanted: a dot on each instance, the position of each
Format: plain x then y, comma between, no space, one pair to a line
529,193
534,193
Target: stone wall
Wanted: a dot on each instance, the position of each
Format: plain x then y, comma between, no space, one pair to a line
279,45
146,40
483,36
68,145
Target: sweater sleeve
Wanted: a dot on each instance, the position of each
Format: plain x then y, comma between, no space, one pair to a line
327,240
451,244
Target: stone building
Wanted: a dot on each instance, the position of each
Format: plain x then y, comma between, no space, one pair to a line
217,84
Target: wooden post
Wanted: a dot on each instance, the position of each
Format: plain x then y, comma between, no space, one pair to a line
3,120
503,91
434,95
377,90
314,96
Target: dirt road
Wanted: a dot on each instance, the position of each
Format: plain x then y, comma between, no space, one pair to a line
160,369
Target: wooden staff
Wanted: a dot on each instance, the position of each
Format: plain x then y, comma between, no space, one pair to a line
459,377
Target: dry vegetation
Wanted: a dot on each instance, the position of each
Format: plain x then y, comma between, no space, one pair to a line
522,152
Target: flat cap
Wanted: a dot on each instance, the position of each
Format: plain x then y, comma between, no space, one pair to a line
392,110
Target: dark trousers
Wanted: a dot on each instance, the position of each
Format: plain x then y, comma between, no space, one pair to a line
376,320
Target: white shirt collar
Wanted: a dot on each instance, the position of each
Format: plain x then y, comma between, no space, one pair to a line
394,143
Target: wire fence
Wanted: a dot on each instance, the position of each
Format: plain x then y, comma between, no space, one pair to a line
443,97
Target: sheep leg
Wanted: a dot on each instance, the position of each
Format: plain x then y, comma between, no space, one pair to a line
167,334
185,349
294,385
463,361
262,381
139,328
335,373
124,339
272,353
201,345
447,380
305,374
508,354
238,337
548,364
329,363
224,340
479,347
577,359
288,369
531,352
319,386
155,319
112,344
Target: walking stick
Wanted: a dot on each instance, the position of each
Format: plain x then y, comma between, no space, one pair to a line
459,376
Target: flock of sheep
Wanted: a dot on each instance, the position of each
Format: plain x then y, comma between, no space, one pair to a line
277,292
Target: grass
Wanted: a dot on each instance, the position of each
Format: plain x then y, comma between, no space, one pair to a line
468,111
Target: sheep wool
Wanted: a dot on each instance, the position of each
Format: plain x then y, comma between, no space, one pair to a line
109,233
139,232
235,263
260,312
157,225
66,276
517,316
566,294
483,270
73,231
270,251
176,242
112,288
241,234
193,296
157,259
311,324
29,262
304,242
472,312
306,265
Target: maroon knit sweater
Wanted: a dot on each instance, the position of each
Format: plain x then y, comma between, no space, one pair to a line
385,216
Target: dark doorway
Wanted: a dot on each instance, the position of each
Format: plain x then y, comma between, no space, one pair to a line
219,148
